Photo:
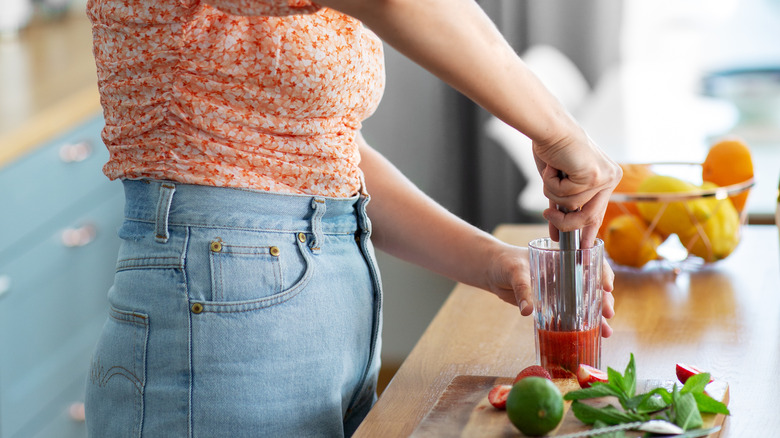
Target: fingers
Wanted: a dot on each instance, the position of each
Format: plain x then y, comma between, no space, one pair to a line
588,218
509,277
521,284
606,330
523,299
607,277
591,177
608,305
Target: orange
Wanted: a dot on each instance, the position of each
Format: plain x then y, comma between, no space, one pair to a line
629,241
633,175
729,162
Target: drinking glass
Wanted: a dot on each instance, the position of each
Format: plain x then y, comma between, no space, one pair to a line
567,308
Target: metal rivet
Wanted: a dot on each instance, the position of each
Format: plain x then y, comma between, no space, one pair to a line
216,246
274,251
196,308
302,237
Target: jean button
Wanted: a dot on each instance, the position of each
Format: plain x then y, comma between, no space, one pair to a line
302,237
196,308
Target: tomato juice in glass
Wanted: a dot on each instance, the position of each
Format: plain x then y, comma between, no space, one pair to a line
567,327
561,353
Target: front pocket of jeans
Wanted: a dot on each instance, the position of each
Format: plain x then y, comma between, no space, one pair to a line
258,274
118,374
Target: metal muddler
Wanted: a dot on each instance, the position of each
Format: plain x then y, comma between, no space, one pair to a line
570,287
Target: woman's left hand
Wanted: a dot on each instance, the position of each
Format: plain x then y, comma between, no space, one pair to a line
509,277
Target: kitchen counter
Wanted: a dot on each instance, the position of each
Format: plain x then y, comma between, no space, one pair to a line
47,83
724,319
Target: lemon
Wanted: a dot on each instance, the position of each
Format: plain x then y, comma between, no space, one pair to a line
718,235
676,217
535,406
629,241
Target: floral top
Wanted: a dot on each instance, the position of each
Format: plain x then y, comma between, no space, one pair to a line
261,94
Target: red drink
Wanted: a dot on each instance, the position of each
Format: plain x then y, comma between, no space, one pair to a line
561,353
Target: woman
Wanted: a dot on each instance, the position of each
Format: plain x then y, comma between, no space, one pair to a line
247,301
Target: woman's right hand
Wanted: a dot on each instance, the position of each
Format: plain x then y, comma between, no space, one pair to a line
590,178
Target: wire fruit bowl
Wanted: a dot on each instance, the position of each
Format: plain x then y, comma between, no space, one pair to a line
677,230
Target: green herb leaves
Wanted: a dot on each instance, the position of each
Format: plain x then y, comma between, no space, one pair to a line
681,406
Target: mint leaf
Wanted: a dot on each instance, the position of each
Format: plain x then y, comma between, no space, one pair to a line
653,401
625,382
596,390
629,377
705,403
682,405
608,414
696,383
686,412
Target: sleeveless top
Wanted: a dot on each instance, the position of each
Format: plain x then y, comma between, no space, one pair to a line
260,94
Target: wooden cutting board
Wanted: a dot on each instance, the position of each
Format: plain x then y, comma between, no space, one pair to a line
463,409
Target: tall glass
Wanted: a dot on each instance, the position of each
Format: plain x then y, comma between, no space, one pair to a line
567,313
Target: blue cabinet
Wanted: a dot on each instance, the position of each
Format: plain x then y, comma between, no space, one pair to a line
58,244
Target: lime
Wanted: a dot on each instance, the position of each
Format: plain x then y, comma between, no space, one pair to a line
535,406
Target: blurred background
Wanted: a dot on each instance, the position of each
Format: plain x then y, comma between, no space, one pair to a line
650,81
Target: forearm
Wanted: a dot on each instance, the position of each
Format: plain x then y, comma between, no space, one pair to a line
411,226
456,41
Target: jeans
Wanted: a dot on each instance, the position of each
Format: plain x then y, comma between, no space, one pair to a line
237,313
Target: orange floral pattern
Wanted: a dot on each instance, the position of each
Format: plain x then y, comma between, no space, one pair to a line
261,94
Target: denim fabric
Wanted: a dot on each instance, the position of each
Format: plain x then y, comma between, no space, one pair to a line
237,313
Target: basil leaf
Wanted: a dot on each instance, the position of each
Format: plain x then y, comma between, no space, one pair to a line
696,383
629,377
705,403
653,401
608,414
616,380
686,412
597,390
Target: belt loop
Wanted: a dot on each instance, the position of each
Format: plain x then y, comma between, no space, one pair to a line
364,222
319,207
163,208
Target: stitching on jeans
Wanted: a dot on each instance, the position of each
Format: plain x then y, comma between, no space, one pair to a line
220,279
213,307
218,260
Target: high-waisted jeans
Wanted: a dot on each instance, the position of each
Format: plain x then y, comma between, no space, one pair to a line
237,313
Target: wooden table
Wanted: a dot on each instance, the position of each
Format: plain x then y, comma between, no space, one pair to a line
724,319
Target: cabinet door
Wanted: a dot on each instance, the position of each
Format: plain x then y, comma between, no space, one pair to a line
53,310
38,186
67,419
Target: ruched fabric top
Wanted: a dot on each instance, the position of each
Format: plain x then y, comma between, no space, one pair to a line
260,94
